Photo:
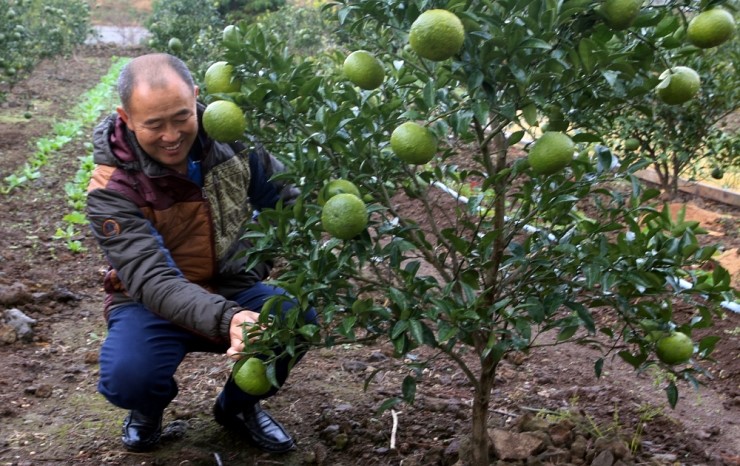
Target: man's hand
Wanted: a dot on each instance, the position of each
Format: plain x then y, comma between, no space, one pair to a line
236,331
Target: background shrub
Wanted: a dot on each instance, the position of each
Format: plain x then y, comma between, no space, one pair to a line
304,29
196,23
243,9
34,29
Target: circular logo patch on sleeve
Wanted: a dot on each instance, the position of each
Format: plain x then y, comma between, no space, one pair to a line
111,228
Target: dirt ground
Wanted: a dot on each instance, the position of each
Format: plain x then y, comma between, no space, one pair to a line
51,414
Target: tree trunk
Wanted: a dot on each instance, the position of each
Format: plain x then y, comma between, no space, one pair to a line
490,359
481,402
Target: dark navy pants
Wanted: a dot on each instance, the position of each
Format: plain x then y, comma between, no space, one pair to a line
142,351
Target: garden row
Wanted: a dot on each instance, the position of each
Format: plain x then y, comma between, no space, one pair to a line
97,100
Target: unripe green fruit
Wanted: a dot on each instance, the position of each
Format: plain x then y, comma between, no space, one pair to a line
674,349
363,69
552,152
718,173
711,28
250,375
631,144
175,45
620,14
678,85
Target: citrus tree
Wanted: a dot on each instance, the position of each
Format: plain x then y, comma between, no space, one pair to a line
545,249
681,140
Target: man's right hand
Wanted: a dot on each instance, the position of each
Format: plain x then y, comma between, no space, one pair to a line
236,331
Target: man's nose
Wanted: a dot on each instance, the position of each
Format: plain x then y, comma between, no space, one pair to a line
170,133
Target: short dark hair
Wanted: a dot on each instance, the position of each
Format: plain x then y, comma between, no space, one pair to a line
149,68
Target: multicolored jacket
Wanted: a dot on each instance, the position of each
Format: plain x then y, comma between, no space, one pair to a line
171,245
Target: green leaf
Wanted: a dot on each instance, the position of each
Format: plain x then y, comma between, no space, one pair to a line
515,137
583,314
408,389
534,43
398,298
585,53
598,367
671,392
586,137
399,329
530,115
668,25
271,375
309,331
706,345
446,331
416,331
604,158
310,86
370,378
388,404
567,332
429,94
347,327
631,359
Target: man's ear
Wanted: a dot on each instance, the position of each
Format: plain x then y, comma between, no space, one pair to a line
124,116
197,91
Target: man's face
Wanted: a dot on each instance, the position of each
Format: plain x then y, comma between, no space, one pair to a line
164,120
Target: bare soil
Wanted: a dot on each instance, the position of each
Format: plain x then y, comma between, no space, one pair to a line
51,414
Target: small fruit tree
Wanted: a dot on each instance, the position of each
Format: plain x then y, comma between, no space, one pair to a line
547,249
684,140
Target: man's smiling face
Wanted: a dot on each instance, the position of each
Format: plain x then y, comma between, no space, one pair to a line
163,117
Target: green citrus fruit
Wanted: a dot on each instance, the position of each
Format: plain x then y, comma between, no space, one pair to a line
437,34
344,216
413,143
676,348
335,187
631,144
231,35
219,78
678,85
363,69
175,45
620,14
224,121
718,173
552,152
711,28
250,375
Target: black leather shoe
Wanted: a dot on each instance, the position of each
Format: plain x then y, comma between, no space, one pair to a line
140,431
258,426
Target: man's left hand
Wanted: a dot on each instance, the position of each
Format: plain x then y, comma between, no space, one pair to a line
236,331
